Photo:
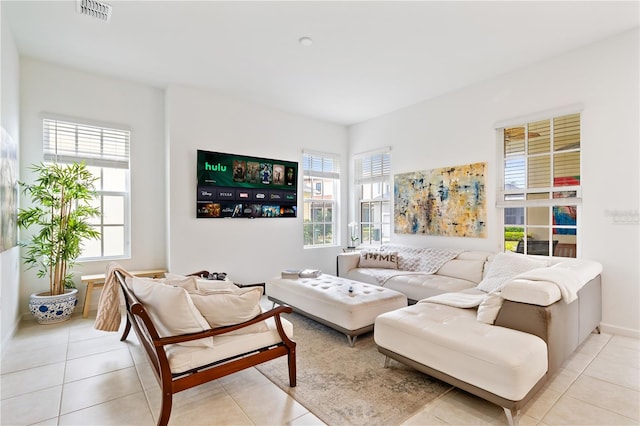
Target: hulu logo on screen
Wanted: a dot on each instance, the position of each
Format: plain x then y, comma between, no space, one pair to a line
215,167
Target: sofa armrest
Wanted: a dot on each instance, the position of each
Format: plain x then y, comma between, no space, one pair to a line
556,324
563,326
347,262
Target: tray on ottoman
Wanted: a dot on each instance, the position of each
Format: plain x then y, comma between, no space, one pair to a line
328,300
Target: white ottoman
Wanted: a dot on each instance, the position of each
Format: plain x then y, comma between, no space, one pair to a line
327,299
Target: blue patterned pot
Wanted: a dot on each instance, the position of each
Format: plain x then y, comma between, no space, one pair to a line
52,309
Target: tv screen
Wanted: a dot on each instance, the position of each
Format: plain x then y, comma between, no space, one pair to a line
232,185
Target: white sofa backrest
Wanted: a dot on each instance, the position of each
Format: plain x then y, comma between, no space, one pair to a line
470,270
469,265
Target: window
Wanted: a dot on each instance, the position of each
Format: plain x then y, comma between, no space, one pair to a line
321,195
540,188
106,153
373,186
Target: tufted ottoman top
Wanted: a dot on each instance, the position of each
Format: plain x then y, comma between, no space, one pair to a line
339,290
329,298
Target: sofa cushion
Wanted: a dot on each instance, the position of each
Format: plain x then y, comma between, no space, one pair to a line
574,273
505,266
171,310
469,298
470,270
420,286
539,293
378,259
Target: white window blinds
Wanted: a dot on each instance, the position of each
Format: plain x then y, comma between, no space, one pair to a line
541,162
66,142
320,165
373,167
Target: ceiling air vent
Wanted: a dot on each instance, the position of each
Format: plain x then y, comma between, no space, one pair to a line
95,9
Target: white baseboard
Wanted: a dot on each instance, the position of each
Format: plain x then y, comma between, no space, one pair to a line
620,331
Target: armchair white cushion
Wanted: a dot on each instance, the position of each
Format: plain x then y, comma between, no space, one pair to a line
171,309
231,306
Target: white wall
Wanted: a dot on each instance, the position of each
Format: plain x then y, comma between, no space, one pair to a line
250,250
10,122
47,88
458,128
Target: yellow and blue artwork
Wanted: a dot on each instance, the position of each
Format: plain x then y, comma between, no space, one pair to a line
449,201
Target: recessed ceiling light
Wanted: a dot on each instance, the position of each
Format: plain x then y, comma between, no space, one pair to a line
305,41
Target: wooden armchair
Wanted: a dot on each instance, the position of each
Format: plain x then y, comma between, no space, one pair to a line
159,350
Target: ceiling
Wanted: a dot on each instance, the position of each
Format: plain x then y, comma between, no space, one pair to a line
368,58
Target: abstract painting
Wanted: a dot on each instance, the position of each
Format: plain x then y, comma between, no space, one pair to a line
450,201
8,191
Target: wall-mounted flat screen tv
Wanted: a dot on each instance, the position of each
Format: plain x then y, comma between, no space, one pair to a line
232,186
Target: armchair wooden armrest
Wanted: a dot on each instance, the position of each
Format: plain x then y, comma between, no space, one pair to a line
275,312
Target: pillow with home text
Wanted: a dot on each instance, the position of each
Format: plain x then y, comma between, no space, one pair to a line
379,259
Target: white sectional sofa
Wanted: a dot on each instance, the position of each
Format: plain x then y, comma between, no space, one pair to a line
411,276
499,335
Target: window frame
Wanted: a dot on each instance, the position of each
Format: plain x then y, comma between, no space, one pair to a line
376,172
320,170
113,152
530,197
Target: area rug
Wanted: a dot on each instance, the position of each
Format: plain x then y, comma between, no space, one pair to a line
343,385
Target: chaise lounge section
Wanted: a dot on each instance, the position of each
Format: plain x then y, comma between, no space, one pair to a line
503,352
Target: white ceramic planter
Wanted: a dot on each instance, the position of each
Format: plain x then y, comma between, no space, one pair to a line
53,309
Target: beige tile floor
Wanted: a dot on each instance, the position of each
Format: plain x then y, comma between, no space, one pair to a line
71,374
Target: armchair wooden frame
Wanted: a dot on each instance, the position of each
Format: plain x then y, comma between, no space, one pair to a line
154,346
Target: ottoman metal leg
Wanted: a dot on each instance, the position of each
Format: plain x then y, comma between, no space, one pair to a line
352,340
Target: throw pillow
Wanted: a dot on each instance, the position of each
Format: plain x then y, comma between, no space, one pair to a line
379,259
206,285
231,306
171,310
506,266
188,283
201,283
489,307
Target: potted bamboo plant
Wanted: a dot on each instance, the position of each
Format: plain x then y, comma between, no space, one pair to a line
59,222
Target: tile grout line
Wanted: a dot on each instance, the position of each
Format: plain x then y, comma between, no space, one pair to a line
64,374
224,388
144,391
581,372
